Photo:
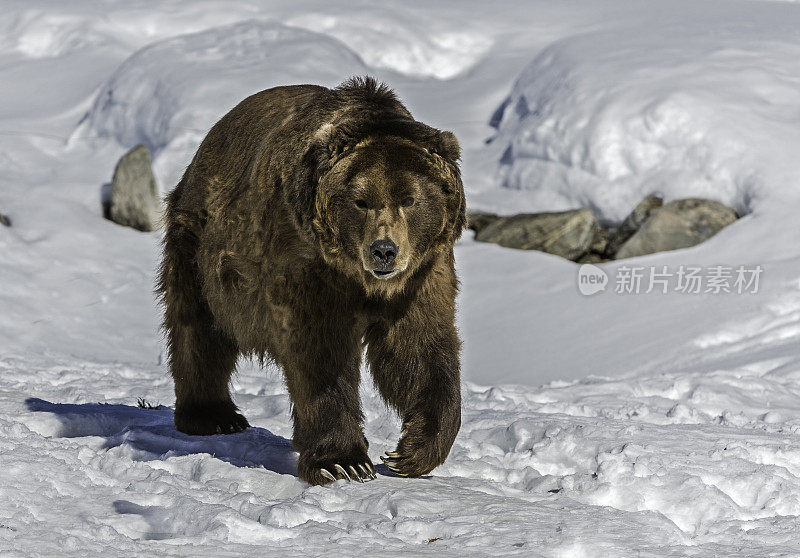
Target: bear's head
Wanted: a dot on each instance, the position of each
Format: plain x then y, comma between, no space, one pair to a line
385,203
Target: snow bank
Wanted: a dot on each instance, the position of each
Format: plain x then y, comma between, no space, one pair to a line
397,40
709,109
598,467
53,30
167,95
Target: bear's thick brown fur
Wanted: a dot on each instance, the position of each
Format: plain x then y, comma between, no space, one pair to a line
312,222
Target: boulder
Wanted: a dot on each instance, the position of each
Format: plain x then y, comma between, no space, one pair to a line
4,220
597,251
602,238
678,224
640,214
133,198
477,220
568,234
591,258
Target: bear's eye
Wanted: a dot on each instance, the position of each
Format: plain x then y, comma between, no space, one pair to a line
408,202
361,204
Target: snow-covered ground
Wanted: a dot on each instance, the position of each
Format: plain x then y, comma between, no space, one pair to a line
610,425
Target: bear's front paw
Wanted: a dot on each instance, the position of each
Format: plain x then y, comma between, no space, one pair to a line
206,420
422,447
320,471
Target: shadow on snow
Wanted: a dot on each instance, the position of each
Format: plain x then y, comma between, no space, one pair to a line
152,433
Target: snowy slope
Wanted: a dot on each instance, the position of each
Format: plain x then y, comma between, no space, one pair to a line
670,423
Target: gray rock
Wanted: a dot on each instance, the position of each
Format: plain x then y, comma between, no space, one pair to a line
4,220
133,199
591,258
640,214
477,220
602,238
568,234
678,224
596,253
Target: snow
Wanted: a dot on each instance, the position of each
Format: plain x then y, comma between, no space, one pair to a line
168,94
393,40
610,425
714,118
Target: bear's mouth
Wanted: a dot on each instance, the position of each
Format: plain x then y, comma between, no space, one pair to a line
380,274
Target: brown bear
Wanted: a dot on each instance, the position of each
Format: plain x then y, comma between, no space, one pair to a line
313,222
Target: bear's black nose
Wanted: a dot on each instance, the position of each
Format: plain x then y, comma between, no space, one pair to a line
383,251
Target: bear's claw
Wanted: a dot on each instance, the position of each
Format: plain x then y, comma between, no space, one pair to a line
393,463
360,472
325,473
356,475
366,473
342,471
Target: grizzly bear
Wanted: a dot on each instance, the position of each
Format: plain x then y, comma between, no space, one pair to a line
312,223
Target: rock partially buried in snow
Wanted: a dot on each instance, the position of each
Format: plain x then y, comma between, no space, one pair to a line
568,234
133,198
598,250
678,224
4,220
578,236
638,217
479,220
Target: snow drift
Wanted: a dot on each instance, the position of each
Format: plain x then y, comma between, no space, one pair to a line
603,119
167,95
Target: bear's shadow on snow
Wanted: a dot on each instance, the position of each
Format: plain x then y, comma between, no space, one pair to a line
152,434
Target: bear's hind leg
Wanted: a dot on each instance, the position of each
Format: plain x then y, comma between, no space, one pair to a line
201,357
202,361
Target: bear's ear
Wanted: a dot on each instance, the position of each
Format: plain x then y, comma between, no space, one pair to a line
325,145
440,142
447,146
456,206
329,141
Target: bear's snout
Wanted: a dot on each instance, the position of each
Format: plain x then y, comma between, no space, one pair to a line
383,252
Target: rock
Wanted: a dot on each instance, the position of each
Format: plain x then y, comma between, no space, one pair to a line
602,238
640,214
597,251
477,220
133,199
4,220
591,258
568,234
678,224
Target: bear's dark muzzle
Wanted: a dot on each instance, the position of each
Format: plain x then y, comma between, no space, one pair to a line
383,252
